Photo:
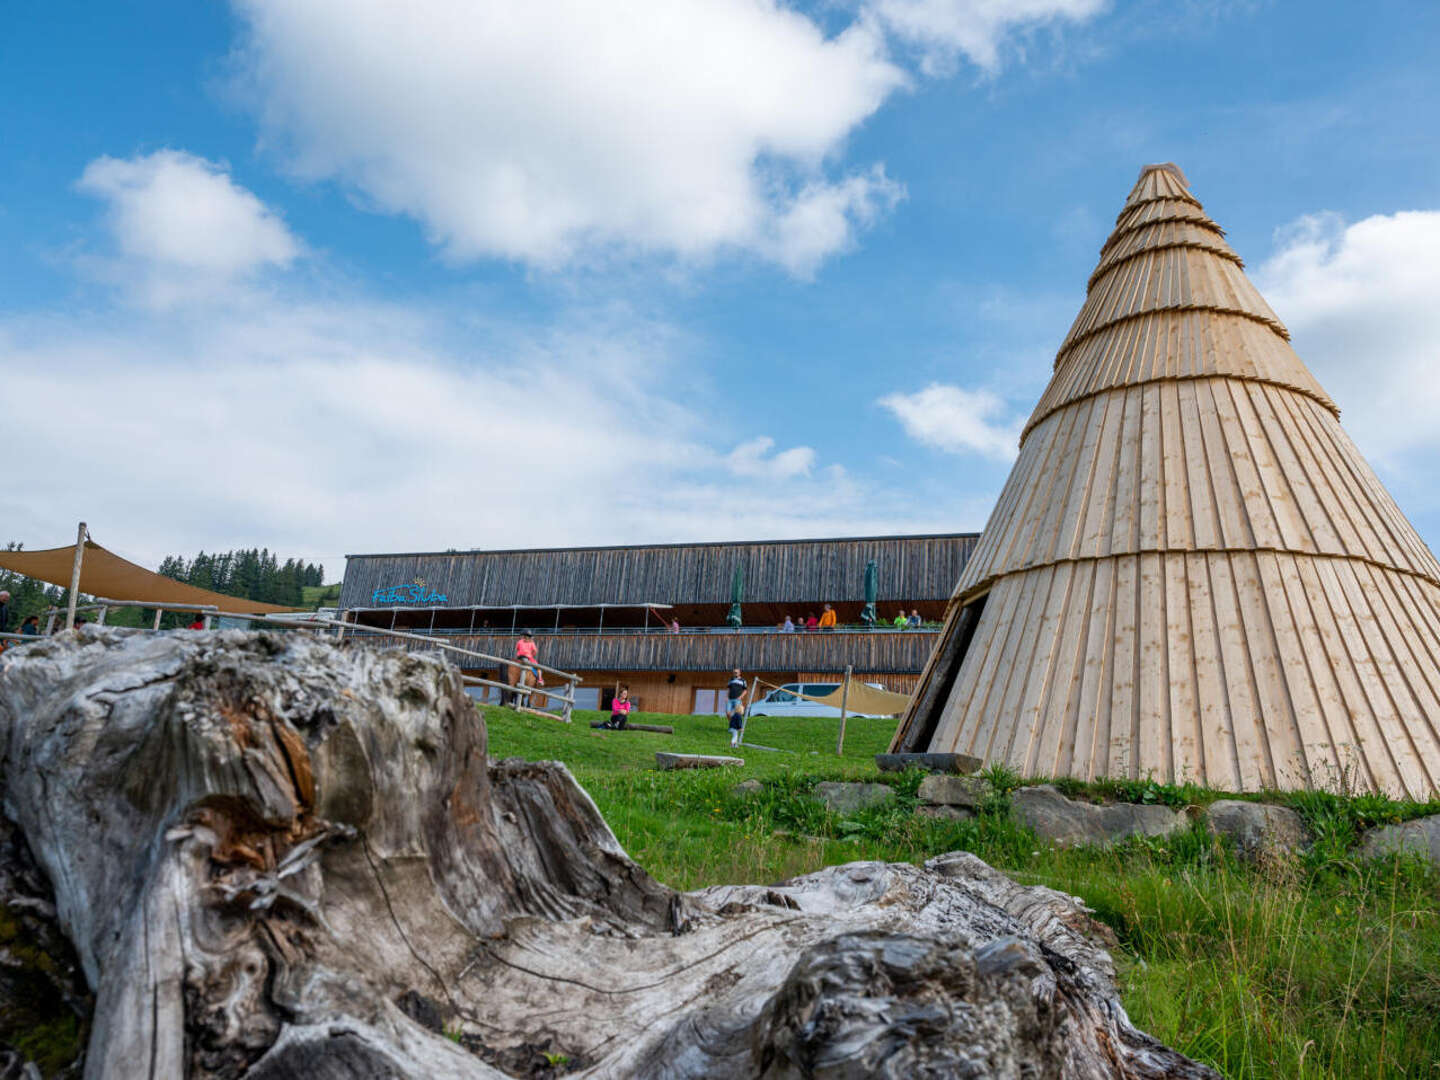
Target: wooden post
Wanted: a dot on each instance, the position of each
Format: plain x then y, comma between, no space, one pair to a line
569,705
75,577
844,703
158,613
100,619
749,697
50,621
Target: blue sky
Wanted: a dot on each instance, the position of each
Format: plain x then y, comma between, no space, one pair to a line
348,276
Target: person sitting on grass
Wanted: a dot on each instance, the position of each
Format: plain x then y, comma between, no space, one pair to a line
31,626
528,653
620,711
197,623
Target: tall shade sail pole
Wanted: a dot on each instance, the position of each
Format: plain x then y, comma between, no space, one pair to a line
844,702
75,576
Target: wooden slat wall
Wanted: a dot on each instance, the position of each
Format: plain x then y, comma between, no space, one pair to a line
1192,573
809,571
898,653
1243,670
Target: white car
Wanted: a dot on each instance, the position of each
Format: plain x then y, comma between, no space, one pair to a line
783,702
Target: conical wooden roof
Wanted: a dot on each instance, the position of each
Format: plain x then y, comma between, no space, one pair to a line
1191,572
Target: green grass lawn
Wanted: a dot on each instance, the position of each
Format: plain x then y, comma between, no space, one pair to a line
1320,967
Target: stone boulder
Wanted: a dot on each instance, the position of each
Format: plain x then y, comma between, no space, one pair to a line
1418,837
846,798
943,763
942,789
665,761
1258,830
946,813
1066,822
747,787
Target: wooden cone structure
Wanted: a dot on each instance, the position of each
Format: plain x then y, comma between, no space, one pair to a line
1192,573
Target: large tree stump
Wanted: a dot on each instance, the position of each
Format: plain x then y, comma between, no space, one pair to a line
278,858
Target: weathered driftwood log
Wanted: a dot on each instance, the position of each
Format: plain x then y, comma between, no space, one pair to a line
276,858
658,729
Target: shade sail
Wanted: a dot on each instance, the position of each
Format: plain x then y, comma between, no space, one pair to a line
866,699
1191,573
107,575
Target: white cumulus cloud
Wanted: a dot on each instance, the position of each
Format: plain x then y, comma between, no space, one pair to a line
1360,301
957,420
558,130
183,222
975,29
753,458
319,426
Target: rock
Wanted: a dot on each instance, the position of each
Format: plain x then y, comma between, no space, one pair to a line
846,798
1418,837
943,763
694,761
1258,830
170,790
747,787
943,790
946,813
1066,822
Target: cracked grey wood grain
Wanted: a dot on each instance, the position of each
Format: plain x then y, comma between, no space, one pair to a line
279,858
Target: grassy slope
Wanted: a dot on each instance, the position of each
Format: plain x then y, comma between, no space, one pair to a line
1319,968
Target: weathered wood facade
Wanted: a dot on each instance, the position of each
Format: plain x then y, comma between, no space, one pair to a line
1191,572
918,571
589,606
898,651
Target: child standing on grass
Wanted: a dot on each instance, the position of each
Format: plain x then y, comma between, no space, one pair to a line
620,710
737,721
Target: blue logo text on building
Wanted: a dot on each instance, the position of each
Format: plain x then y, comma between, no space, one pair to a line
418,593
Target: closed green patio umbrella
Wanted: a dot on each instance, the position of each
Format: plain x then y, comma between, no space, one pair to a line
737,593
872,592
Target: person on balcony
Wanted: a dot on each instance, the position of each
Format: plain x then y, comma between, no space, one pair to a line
787,627
915,621
812,623
901,622
827,618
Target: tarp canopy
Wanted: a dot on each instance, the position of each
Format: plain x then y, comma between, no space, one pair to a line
862,698
107,575
867,699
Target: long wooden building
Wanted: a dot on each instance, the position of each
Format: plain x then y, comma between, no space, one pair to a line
1191,573
606,612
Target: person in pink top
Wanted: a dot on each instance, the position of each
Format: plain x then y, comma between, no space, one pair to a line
529,654
620,710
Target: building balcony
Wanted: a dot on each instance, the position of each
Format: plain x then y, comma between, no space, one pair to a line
711,649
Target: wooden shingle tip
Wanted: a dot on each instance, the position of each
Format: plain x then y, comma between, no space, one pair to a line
1168,167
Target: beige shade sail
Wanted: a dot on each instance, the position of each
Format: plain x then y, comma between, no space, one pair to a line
105,574
866,699
1191,573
